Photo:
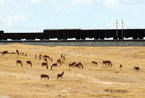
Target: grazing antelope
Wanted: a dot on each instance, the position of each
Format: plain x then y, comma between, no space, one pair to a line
45,64
44,76
94,62
72,64
4,52
136,68
29,62
46,56
60,75
107,62
54,65
19,62
79,65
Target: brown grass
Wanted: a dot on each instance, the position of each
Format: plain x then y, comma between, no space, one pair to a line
93,81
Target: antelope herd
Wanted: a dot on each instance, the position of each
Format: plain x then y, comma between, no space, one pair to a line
58,62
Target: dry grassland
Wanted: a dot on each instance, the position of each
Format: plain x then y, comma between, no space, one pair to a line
91,82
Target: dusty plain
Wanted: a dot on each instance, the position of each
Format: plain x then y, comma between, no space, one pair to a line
94,81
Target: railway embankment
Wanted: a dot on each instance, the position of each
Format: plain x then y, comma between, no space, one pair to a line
79,43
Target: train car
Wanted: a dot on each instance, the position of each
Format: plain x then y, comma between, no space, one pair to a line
62,33
98,34
1,32
65,34
19,36
134,33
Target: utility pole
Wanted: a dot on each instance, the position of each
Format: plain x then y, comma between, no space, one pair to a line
122,29
116,29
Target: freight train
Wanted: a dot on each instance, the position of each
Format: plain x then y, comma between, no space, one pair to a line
78,34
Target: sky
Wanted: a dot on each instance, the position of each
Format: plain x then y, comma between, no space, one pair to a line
37,15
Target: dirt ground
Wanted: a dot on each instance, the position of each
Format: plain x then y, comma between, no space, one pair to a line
94,81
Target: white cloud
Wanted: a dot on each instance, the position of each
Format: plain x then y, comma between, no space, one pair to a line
11,20
3,1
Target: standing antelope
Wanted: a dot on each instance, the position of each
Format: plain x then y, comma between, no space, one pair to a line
60,75
136,68
40,56
121,67
17,51
63,57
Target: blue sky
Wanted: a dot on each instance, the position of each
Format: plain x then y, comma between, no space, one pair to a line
36,15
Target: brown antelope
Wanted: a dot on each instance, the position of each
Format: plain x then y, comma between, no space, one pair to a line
19,62
51,59
46,56
94,62
136,68
79,65
44,76
72,64
63,57
4,52
54,65
107,62
60,75
45,59
29,62
17,51
45,64
25,54
121,67
59,61
40,56
35,56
